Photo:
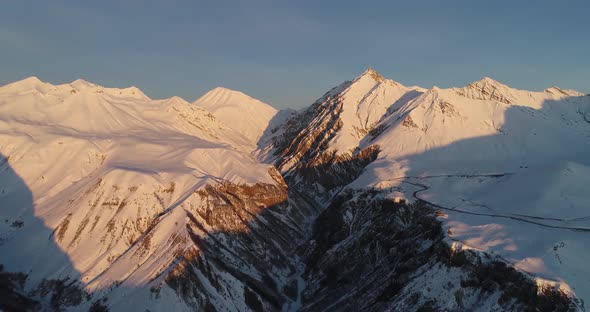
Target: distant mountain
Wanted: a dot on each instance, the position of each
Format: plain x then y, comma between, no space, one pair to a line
244,114
377,197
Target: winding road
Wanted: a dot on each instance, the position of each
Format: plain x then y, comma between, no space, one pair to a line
521,218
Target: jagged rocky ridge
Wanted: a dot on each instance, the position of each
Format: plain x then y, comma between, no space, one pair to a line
309,240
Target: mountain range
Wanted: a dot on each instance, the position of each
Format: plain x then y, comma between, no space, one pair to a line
376,197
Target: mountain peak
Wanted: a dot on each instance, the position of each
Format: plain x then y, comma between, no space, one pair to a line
222,89
239,111
488,89
488,84
29,83
370,72
487,81
221,96
563,92
30,80
174,100
82,84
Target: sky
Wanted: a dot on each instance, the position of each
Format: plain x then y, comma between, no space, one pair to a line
289,53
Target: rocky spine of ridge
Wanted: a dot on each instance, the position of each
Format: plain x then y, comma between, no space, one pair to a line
302,149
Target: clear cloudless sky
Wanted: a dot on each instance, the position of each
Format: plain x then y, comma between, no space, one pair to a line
288,53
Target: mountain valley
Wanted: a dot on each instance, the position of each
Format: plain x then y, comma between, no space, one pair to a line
376,197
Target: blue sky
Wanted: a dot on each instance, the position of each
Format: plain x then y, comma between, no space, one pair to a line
288,53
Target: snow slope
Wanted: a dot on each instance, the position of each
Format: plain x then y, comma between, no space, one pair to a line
246,115
364,101
446,127
100,180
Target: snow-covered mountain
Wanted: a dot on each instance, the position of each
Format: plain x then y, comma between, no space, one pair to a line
246,115
117,192
468,198
506,168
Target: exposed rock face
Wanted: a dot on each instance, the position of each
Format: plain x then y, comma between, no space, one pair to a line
306,136
243,238
369,253
302,151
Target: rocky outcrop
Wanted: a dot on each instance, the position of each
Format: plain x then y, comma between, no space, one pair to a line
370,253
243,238
302,150
306,136
331,170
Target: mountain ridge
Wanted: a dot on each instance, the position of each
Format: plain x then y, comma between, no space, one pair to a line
159,203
